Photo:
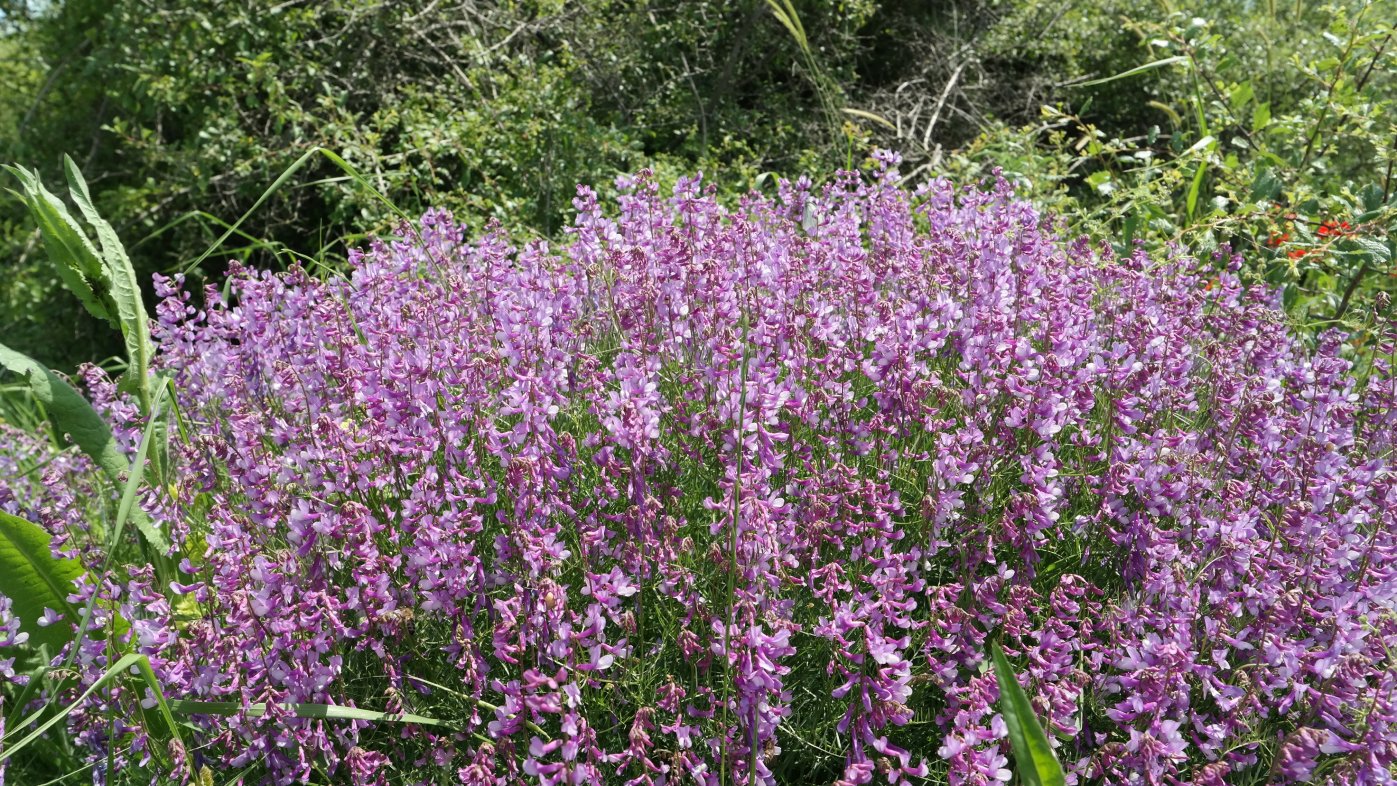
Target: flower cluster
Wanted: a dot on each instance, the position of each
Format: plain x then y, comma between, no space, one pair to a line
741,496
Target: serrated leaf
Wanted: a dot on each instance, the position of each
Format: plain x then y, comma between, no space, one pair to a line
33,580
73,416
1378,250
1034,760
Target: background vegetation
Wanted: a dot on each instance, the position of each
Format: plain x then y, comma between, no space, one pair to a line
1256,134
1236,122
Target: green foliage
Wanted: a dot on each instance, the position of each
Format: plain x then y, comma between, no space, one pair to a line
30,575
34,580
1184,121
70,413
1034,760
121,668
103,281
106,285
186,113
1264,128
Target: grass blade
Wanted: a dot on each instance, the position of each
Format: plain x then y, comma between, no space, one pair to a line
1168,61
1191,202
125,662
1033,756
281,180
300,710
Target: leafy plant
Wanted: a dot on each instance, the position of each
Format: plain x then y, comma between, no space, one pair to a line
798,458
1267,138
106,285
34,580
1037,764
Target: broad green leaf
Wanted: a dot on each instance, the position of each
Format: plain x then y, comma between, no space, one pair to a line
1266,186
300,710
1372,196
72,415
1240,94
125,291
1033,756
1378,250
70,412
1261,115
33,580
73,255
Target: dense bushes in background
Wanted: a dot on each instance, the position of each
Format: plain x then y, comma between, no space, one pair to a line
185,113
731,496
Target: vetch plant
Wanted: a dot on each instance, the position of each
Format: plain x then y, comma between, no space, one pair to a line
745,496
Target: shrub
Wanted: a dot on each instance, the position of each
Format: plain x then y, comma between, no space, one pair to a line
186,113
713,495
1259,127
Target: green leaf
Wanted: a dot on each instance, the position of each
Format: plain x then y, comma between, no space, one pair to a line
1372,196
125,290
1377,250
1195,187
70,412
300,710
1240,94
1266,186
1033,756
73,416
68,247
1260,116
33,580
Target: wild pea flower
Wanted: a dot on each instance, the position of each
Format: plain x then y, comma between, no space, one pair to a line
742,495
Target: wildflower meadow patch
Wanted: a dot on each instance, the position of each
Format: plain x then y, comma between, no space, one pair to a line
784,493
